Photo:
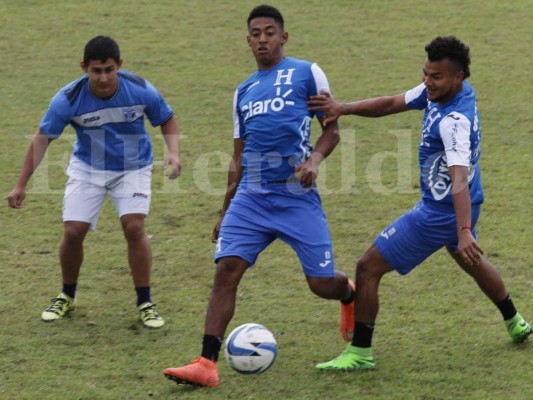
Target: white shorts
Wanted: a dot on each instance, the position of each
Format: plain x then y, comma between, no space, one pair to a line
86,190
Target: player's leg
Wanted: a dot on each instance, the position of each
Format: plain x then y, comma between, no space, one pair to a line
358,355
221,306
302,223
401,246
71,251
139,249
82,202
244,233
203,370
131,193
490,282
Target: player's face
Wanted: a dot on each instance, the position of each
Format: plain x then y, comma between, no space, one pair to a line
103,77
443,80
266,39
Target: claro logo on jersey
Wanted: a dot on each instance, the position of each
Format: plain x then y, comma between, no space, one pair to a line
275,104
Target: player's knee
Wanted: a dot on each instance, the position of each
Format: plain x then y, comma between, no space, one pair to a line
367,269
134,230
74,232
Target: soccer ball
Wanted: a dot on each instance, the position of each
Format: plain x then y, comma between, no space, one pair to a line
251,349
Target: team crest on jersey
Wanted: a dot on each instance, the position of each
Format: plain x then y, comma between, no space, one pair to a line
437,175
130,114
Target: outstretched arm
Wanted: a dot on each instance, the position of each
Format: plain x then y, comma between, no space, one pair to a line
374,107
34,156
171,133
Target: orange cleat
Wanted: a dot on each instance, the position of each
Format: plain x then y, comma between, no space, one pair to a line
348,318
200,372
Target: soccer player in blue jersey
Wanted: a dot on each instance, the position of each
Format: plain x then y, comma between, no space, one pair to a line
271,187
112,154
450,182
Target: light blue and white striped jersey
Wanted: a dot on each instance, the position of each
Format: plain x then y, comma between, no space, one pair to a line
451,135
110,132
271,116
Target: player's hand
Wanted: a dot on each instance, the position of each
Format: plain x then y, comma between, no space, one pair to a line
16,197
307,172
216,229
172,161
468,248
325,103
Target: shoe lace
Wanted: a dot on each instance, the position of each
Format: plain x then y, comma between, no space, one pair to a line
149,312
57,305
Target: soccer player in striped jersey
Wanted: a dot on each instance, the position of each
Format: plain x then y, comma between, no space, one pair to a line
112,154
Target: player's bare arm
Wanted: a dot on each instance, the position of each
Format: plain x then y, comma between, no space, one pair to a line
34,156
307,172
468,248
171,133
234,177
373,108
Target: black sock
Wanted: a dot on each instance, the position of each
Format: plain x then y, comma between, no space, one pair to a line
70,289
143,295
362,335
350,299
211,347
506,307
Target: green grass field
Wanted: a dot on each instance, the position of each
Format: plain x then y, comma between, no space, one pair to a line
437,336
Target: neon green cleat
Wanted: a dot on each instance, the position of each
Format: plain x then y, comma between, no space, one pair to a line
351,359
149,316
60,307
518,328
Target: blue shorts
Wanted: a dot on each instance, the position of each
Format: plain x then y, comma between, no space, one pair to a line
419,233
256,217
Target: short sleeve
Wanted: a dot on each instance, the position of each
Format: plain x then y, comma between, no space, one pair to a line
157,109
416,98
236,118
320,81
57,116
455,134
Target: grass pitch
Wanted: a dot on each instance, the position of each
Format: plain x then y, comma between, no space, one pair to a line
437,336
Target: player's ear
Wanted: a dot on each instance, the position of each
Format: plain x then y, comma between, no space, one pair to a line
284,38
84,66
119,64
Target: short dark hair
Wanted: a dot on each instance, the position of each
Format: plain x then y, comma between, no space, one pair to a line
101,48
451,48
268,12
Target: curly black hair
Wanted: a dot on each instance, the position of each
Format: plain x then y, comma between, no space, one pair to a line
266,11
451,48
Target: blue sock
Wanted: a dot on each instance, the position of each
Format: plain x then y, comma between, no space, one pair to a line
143,295
70,289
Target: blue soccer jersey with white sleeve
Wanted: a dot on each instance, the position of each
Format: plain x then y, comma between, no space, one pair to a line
451,135
110,132
271,117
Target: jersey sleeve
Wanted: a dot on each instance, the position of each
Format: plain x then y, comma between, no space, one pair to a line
455,134
57,116
416,98
237,126
157,109
320,83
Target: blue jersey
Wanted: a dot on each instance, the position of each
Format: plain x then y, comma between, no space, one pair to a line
110,132
451,135
271,117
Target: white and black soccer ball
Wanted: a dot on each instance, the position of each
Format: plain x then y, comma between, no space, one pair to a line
251,349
